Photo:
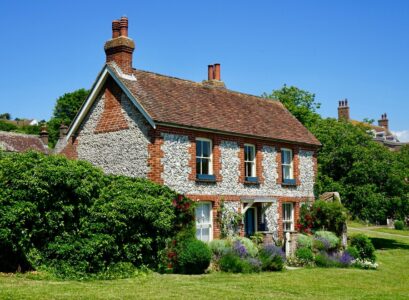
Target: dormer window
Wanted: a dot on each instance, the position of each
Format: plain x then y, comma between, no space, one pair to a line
204,165
287,166
250,163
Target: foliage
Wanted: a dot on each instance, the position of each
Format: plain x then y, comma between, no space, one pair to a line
365,264
65,109
5,126
364,246
5,116
300,103
219,248
322,259
399,225
320,215
304,241
353,251
193,257
233,263
229,220
257,238
70,217
245,245
272,258
328,237
304,255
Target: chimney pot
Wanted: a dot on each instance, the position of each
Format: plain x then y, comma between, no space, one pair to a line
210,72
63,130
115,29
123,26
44,135
217,72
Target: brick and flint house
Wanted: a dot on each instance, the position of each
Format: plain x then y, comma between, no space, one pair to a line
199,138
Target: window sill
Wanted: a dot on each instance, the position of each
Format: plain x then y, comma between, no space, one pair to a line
289,182
205,178
251,180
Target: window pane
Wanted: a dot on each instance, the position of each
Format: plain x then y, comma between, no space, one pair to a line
248,170
286,157
246,155
287,172
251,153
206,148
206,212
198,148
205,166
198,166
205,235
199,213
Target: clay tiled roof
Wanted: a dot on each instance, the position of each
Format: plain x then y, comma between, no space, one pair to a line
181,102
17,142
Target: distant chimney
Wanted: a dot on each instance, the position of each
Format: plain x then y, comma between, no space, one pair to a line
120,48
213,77
63,130
343,110
44,135
384,122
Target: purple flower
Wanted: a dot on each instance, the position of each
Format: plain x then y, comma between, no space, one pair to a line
273,250
346,259
239,249
255,263
326,244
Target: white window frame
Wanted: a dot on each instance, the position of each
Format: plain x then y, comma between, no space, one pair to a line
253,162
285,218
202,224
291,164
210,157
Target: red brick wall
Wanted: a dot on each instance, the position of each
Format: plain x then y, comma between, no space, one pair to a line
70,150
112,118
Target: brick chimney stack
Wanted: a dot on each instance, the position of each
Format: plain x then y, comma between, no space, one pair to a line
213,77
384,122
120,48
343,110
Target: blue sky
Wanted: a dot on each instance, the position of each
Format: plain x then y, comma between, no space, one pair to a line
336,49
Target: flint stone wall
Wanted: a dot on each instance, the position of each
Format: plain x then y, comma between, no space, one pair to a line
123,152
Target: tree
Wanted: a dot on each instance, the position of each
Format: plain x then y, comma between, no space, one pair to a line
65,110
300,103
5,116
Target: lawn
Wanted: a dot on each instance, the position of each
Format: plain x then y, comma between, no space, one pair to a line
393,231
390,281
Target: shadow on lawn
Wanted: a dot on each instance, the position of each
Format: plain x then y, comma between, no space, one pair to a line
381,243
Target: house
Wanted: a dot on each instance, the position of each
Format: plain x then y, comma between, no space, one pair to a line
381,133
199,138
18,142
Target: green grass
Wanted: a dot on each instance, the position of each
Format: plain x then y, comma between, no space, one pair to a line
390,281
357,224
393,231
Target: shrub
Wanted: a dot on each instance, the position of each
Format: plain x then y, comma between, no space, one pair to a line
346,259
321,215
67,215
219,247
353,251
399,225
364,246
322,259
232,263
249,247
304,241
193,257
272,258
304,255
329,239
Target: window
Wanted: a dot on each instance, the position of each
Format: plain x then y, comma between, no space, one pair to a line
204,221
250,160
287,166
204,157
288,217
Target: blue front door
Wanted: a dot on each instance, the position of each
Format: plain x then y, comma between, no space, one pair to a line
249,219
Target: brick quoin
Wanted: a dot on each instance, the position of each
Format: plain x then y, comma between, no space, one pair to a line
112,118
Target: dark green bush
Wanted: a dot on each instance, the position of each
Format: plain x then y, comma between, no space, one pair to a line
233,263
67,215
304,254
193,257
271,262
364,246
353,251
399,225
322,259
